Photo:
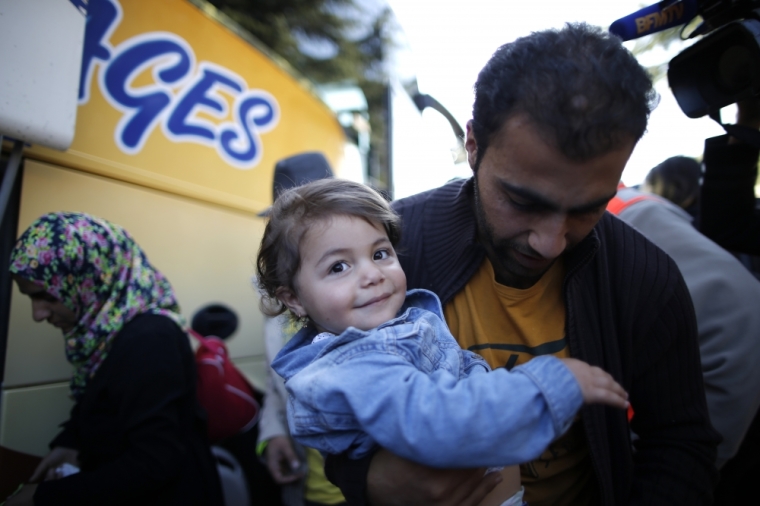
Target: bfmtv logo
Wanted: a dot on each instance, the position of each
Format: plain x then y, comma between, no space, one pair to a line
182,96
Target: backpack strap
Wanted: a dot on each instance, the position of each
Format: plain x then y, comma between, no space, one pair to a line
196,335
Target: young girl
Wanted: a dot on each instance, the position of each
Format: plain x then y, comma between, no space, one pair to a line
376,365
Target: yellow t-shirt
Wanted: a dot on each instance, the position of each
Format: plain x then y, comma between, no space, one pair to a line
508,327
318,488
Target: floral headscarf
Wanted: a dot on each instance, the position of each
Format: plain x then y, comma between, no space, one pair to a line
98,271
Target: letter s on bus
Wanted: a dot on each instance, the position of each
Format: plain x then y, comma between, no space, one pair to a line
256,112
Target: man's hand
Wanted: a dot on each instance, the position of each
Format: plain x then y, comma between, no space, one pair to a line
597,386
282,461
393,481
25,496
46,470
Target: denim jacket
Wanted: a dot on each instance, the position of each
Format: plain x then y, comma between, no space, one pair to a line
408,387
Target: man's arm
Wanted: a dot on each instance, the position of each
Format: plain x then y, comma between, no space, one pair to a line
674,461
384,479
273,421
728,323
274,444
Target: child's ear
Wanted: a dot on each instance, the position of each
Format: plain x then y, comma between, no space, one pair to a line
290,299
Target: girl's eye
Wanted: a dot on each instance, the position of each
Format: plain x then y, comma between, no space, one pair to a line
339,267
381,254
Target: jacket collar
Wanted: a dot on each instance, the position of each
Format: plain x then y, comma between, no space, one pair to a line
301,350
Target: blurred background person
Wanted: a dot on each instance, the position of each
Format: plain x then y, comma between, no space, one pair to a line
136,434
677,180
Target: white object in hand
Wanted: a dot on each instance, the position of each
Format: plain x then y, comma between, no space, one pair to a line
66,469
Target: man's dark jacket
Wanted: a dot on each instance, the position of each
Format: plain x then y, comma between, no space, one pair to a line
628,312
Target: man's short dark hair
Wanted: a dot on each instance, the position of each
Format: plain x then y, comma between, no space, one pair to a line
581,88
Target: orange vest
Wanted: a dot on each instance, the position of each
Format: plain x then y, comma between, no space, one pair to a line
618,204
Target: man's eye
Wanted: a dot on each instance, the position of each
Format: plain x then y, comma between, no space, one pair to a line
590,212
339,267
521,204
381,254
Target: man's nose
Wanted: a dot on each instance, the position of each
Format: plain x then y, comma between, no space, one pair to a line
40,310
549,237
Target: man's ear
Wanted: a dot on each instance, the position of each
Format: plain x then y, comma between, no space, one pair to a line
471,146
290,299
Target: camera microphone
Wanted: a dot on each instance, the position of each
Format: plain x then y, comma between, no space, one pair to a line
654,18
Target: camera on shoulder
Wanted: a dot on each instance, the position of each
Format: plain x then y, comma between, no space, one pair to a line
720,69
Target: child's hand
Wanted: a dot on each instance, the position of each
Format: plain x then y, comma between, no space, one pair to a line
597,386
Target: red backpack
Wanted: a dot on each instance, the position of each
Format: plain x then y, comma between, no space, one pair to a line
231,402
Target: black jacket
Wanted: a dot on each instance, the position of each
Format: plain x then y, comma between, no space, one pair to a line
628,311
139,429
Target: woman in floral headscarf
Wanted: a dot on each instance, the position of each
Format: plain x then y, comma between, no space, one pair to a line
136,430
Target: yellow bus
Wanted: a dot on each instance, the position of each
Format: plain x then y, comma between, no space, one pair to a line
180,119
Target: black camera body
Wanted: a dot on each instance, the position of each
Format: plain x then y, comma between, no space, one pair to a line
722,68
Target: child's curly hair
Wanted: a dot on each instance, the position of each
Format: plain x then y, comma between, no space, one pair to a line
294,212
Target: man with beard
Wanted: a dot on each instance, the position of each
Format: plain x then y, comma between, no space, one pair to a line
527,263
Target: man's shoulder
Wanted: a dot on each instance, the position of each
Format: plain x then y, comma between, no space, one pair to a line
668,226
625,252
618,235
705,265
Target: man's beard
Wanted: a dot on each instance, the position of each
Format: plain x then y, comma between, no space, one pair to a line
500,252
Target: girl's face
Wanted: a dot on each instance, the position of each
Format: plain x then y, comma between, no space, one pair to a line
349,276
47,307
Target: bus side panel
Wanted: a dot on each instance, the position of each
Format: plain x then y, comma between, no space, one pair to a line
31,416
206,251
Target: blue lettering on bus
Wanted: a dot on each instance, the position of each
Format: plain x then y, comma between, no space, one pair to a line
170,61
103,16
181,96
200,97
256,113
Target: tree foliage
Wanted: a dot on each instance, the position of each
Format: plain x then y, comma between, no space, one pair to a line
326,41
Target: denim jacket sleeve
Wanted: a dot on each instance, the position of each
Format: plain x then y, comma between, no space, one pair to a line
494,419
